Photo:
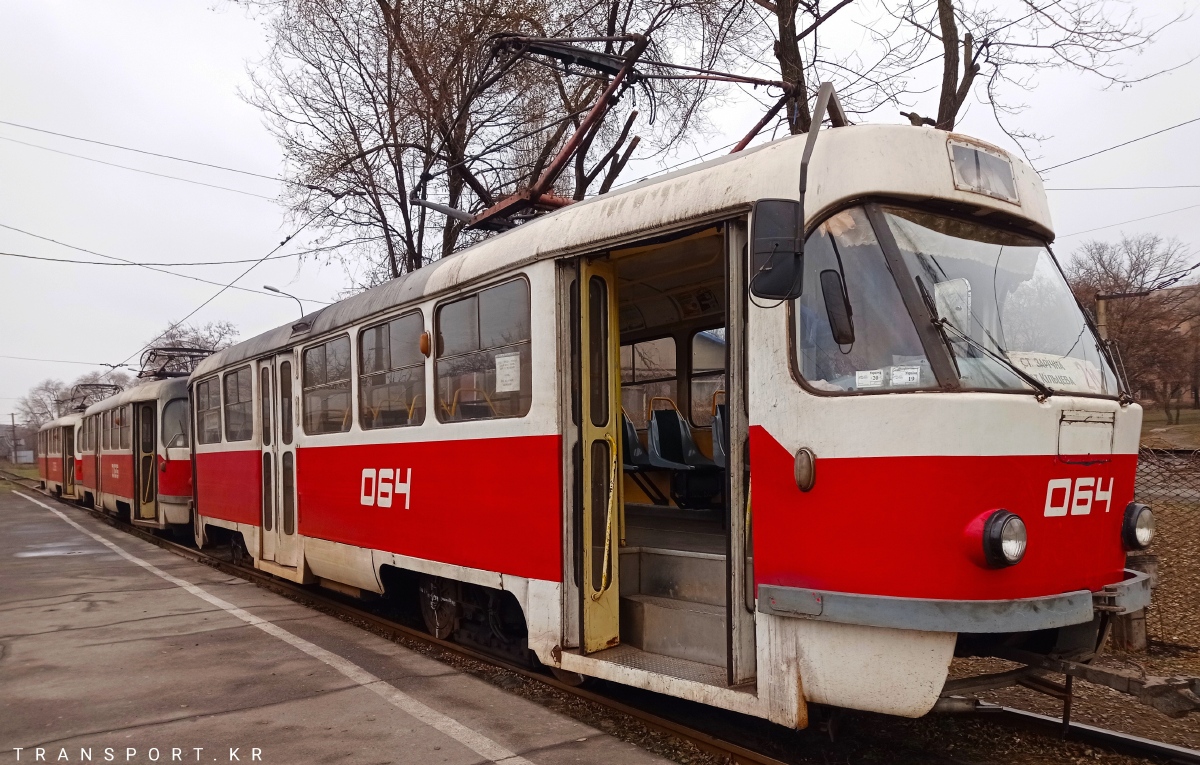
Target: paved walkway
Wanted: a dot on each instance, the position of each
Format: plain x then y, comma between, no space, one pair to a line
111,643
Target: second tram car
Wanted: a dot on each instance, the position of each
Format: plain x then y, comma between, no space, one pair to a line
136,454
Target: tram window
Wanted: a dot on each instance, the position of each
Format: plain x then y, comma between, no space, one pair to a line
885,353
239,405
126,427
208,412
598,350
391,367
484,365
285,401
647,372
707,383
104,434
264,398
327,387
175,424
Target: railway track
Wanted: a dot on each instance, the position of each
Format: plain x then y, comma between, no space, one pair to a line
623,701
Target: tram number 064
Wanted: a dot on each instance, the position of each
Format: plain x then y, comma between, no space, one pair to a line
380,486
1078,496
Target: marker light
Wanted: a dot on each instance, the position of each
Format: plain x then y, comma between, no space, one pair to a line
1137,531
1004,539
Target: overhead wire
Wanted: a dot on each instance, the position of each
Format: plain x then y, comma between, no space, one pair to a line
166,265
231,284
147,267
143,151
138,170
1124,222
1122,188
1119,145
64,361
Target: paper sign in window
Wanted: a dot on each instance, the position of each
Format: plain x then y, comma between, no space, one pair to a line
508,373
869,378
904,376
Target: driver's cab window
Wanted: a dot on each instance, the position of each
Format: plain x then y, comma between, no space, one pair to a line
852,330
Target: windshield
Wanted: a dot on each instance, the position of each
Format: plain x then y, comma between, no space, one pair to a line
846,276
1002,303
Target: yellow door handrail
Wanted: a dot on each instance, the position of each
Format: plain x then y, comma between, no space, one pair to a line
606,572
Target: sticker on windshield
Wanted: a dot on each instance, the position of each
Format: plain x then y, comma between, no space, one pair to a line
869,378
1059,372
904,376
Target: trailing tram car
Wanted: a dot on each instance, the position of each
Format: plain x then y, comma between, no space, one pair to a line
649,440
57,456
135,452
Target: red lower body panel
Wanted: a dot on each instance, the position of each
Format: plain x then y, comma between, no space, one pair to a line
491,504
116,475
174,477
229,485
898,525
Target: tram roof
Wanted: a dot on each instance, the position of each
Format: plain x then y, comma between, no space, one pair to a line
62,422
147,391
895,161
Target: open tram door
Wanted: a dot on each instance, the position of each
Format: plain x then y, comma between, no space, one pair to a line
601,527
146,473
276,391
658,348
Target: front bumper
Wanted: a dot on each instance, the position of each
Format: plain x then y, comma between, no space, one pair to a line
970,616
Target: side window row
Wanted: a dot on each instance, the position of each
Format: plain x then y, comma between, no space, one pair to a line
483,367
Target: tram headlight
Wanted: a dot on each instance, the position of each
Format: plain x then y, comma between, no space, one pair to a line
1137,530
1004,539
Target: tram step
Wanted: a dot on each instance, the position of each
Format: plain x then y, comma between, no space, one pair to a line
694,577
676,628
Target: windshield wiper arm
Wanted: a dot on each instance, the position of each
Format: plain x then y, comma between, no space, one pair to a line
1044,392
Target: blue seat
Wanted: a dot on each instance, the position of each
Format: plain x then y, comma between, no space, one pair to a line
671,443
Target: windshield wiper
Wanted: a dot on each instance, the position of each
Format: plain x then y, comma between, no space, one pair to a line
1044,392
942,324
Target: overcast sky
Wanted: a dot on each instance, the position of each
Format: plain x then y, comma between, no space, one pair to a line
165,76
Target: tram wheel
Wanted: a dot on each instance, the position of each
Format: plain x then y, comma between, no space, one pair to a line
439,605
573,679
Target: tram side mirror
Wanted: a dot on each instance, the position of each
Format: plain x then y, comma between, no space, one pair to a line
837,307
778,262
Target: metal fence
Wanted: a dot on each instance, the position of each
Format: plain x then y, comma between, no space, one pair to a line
1169,481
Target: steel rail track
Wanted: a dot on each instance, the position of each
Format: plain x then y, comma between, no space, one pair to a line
1124,743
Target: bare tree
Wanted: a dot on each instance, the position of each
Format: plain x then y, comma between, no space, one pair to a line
1154,333
44,402
212,336
374,102
1001,44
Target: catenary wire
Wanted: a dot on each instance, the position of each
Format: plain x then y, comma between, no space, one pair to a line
147,267
165,265
1124,222
143,151
1117,146
231,284
64,361
138,170
1122,188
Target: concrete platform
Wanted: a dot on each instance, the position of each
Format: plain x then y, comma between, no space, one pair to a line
108,642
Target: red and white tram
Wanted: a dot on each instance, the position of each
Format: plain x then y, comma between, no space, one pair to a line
135,454
648,439
57,456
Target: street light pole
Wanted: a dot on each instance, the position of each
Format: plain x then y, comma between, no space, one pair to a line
281,292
